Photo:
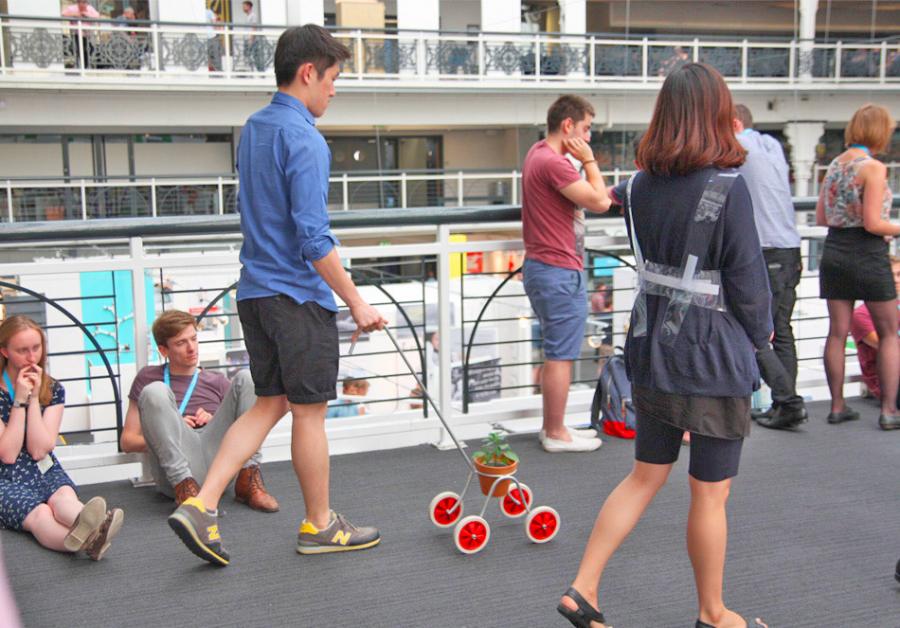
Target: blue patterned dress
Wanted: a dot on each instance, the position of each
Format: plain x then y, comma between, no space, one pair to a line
22,485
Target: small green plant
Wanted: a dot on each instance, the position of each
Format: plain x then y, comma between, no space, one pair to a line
495,451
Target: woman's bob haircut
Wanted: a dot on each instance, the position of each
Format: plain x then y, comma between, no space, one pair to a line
691,126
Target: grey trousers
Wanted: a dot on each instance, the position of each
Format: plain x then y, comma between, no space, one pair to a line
177,451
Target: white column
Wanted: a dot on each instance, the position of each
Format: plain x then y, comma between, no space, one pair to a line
804,137
503,16
34,8
573,17
807,36
182,11
418,15
273,12
300,12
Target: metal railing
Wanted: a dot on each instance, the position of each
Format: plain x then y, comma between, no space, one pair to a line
455,300
26,200
85,51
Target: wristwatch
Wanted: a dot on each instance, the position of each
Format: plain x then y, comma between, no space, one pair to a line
20,404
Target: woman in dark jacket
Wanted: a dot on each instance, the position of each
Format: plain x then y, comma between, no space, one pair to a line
701,311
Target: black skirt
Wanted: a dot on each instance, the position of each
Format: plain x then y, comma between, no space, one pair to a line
719,417
855,267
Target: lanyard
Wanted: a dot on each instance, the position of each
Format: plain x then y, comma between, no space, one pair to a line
188,392
863,148
9,386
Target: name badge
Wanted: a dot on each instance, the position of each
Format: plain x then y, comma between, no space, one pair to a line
45,464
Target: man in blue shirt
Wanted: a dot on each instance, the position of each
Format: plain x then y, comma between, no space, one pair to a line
766,174
287,310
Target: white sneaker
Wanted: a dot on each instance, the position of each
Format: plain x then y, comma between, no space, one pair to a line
555,446
580,433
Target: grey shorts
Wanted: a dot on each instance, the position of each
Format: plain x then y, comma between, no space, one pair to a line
293,348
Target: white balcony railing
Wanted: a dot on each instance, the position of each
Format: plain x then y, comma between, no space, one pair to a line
84,199
24,200
103,51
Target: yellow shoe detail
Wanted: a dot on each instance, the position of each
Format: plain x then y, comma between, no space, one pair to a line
308,528
195,502
341,537
213,533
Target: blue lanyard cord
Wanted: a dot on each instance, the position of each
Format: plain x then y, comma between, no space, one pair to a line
863,148
187,393
9,386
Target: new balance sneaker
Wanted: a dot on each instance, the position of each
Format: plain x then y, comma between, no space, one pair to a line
197,529
339,536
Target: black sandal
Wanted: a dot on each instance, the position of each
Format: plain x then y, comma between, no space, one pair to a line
584,615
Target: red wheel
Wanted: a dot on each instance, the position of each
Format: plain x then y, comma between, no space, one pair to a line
471,534
513,503
542,524
445,509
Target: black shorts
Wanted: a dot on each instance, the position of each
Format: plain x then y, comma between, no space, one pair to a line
855,267
712,459
293,348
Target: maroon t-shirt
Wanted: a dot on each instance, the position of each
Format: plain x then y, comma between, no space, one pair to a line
552,226
208,393
861,325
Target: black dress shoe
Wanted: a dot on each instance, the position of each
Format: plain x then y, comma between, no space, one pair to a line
785,418
889,421
847,414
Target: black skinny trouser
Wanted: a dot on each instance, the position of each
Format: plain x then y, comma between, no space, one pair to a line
778,364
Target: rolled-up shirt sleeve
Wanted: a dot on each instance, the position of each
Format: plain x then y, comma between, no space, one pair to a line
306,168
744,276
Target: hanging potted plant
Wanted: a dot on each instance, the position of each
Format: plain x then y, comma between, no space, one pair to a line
495,458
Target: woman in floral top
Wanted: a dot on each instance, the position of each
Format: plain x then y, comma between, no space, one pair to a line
855,205
36,494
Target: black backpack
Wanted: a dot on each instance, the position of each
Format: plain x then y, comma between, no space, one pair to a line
612,410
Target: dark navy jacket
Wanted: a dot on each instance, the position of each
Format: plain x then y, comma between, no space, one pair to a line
713,354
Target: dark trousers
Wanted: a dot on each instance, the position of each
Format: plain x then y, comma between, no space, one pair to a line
778,364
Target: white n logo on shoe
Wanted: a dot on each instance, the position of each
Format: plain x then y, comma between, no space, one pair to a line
341,537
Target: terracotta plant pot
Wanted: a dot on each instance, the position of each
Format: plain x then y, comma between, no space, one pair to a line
491,472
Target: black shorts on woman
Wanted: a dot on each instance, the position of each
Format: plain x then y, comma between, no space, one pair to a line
293,348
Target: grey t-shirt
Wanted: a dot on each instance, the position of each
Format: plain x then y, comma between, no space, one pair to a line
208,393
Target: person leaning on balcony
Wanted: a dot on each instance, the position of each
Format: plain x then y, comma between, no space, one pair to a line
766,173
866,338
36,494
81,8
553,194
855,204
290,265
179,413
691,342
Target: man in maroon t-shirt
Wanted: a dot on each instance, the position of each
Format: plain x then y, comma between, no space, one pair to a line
553,194
178,413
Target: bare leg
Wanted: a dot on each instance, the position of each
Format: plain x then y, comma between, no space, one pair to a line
884,317
309,455
617,518
839,314
65,505
241,441
555,381
707,537
46,529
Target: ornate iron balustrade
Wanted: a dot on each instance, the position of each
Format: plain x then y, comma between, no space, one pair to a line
100,50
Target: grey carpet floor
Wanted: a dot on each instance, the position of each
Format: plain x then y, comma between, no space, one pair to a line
814,536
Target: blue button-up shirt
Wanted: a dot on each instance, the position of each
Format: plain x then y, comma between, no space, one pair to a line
283,164
766,173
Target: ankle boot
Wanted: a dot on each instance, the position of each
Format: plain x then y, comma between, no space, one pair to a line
249,489
188,487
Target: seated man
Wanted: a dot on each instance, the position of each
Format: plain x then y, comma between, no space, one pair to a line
863,331
350,401
179,413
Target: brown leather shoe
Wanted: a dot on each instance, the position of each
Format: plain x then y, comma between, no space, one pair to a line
188,487
249,489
